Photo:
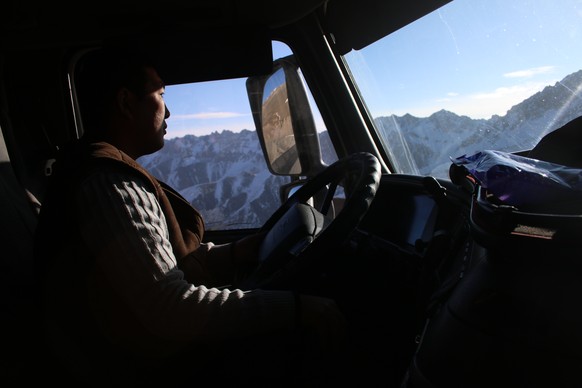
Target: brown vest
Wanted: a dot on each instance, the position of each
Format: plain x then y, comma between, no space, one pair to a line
185,224
78,298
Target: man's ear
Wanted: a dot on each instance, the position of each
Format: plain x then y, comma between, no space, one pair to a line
123,102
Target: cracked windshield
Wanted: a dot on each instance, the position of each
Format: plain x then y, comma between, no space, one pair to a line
471,76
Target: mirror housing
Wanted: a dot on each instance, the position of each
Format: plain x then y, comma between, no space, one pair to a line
284,121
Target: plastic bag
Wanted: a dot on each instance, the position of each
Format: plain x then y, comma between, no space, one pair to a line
528,184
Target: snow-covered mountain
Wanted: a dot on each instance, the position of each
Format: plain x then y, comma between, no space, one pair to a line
425,145
224,174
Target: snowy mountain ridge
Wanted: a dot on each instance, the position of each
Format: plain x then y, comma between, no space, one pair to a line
224,174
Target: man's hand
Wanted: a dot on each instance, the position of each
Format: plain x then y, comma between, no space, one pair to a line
246,250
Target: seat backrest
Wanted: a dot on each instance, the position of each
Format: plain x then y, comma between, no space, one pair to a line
18,221
561,146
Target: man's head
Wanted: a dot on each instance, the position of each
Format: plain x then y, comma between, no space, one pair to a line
121,100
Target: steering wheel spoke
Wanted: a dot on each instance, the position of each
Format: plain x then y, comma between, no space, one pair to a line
298,236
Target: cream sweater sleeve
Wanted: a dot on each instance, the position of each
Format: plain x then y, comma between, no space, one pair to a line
123,224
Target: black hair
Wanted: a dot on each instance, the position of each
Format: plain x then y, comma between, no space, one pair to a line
99,74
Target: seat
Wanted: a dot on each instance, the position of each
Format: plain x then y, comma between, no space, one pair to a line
17,225
561,146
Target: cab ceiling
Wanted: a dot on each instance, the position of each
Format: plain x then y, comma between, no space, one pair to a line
53,24
46,24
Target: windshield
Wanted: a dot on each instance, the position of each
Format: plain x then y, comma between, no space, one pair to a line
473,75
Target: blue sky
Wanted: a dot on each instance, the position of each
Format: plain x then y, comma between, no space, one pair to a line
472,57
206,107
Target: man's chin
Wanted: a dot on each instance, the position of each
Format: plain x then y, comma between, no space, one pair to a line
159,144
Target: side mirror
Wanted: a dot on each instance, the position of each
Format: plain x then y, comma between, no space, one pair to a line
284,121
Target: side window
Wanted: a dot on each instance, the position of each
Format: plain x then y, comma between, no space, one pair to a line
213,157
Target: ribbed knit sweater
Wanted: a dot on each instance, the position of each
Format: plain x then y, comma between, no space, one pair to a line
125,264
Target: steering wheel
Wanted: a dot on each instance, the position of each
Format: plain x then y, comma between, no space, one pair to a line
298,235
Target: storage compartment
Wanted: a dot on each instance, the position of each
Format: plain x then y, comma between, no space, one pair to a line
514,318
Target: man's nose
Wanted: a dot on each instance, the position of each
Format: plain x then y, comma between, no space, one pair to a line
167,112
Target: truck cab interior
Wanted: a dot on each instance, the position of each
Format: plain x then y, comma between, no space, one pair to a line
464,290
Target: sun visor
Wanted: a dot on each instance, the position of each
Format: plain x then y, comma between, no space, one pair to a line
211,54
356,24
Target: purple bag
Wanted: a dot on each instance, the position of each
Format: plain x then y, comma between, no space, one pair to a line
528,184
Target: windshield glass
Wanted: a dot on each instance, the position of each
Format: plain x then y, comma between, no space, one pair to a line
473,75
213,157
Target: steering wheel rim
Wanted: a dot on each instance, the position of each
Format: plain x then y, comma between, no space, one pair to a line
362,172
